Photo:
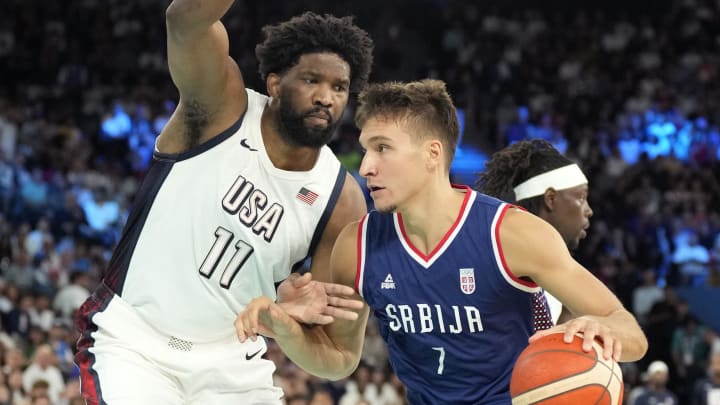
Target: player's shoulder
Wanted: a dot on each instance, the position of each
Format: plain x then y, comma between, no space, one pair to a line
256,101
486,201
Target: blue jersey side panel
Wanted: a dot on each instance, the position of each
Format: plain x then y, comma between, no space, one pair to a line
454,322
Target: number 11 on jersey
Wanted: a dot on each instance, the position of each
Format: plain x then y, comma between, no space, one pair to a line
243,250
441,361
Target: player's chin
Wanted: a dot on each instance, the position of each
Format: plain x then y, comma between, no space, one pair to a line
385,208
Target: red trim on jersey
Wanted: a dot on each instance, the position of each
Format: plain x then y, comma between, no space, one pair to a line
358,269
84,358
506,268
450,231
88,376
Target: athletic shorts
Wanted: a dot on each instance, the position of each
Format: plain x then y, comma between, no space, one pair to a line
125,361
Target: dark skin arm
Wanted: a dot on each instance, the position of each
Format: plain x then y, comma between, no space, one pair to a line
211,87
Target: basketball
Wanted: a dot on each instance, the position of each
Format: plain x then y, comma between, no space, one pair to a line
552,372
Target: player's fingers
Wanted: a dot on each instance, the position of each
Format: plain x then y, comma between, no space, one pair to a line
589,333
239,329
320,319
581,328
339,313
241,324
253,312
608,347
248,320
345,303
338,289
617,350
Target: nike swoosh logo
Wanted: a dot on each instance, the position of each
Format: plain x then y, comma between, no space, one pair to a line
244,144
250,356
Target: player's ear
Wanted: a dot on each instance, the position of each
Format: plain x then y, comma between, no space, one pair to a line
434,149
273,85
550,199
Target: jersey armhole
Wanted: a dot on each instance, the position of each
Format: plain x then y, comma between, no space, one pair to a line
512,279
324,218
360,270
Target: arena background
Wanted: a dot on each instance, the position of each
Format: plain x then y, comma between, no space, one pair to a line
628,90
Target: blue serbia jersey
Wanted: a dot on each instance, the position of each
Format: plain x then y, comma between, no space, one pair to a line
454,320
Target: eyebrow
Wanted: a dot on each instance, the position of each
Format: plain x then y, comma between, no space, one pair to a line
377,138
313,71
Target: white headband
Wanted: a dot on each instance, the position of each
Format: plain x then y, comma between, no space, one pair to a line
559,179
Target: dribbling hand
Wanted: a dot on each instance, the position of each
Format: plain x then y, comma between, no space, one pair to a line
313,302
590,329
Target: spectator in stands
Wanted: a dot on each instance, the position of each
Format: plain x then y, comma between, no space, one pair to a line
692,259
17,390
656,391
69,298
646,295
689,352
42,368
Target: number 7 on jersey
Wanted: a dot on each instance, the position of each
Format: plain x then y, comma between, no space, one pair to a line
441,360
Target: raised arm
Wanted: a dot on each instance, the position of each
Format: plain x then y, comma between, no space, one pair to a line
211,87
534,249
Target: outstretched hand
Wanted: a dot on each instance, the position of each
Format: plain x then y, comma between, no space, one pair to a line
264,317
314,302
590,329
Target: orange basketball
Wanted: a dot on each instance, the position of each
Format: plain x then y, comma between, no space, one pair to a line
552,372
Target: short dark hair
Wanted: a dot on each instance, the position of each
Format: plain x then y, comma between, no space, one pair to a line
425,105
286,42
509,167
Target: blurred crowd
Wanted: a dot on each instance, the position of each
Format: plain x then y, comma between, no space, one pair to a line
630,92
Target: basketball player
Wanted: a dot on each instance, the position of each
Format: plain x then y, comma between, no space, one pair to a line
241,191
549,185
448,272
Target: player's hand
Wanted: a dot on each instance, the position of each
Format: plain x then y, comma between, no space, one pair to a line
264,317
590,329
313,302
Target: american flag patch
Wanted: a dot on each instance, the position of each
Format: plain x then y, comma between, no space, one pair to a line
307,196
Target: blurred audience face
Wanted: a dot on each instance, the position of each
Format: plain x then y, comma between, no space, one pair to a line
44,356
322,398
15,359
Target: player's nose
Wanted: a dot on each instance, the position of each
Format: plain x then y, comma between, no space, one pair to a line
367,166
323,96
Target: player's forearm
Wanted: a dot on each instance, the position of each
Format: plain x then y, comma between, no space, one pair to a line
628,332
187,16
321,355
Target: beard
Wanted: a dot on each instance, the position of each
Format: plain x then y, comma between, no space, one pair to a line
294,130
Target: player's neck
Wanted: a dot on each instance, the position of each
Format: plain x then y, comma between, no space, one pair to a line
427,219
283,155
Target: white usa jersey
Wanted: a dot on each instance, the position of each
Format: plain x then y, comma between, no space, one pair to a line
216,226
